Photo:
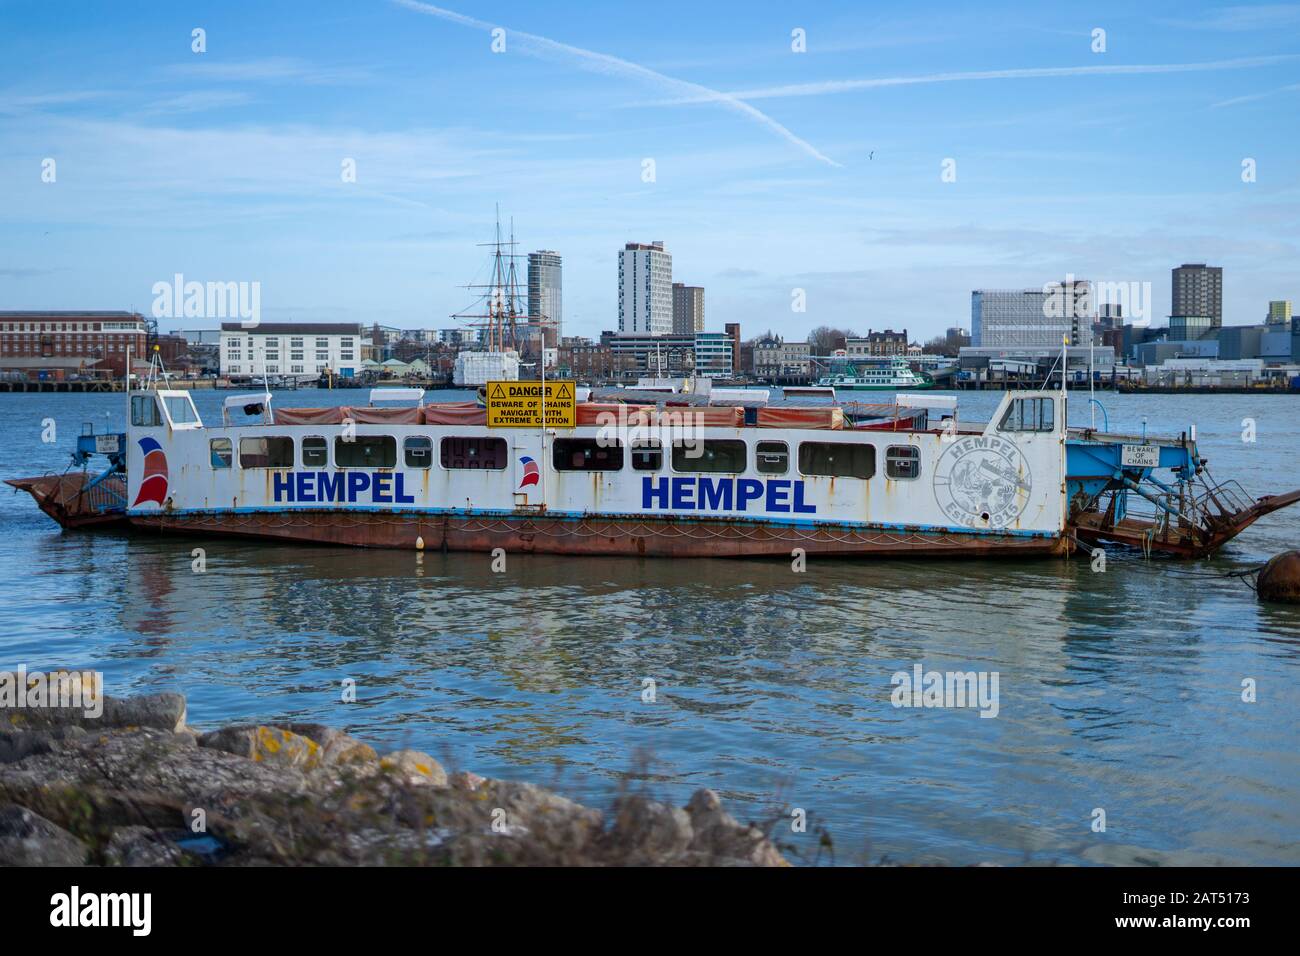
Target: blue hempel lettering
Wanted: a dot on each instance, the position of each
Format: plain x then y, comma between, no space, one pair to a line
323,487
775,495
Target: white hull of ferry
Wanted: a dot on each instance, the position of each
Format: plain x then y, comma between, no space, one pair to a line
470,487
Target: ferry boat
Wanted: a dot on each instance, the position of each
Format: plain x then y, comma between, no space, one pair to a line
893,376
652,478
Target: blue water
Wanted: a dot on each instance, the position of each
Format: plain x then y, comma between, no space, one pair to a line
1118,690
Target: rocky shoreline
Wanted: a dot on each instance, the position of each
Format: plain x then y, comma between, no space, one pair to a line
138,786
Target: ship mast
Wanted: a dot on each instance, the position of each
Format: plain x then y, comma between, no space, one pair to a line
497,310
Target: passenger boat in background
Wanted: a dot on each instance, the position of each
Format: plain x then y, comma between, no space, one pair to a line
892,376
654,474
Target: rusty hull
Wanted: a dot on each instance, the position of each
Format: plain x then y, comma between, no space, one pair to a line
630,535
1183,540
61,497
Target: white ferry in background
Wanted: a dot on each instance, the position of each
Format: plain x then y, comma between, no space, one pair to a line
893,376
666,475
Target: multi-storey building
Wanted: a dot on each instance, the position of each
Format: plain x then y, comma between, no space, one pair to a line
715,354
688,308
45,342
1196,301
887,342
291,349
1032,320
777,360
645,289
545,291
1279,312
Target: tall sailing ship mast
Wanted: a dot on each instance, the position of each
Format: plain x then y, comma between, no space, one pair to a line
503,322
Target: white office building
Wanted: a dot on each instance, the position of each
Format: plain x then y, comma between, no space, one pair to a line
290,349
1032,319
645,289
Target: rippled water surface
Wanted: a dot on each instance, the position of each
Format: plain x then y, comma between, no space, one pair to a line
1119,690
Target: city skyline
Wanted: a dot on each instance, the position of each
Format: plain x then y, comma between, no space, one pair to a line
768,172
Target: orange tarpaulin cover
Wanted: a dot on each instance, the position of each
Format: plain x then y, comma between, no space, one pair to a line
309,416
367,415
707,416
588,413
801,417
455,413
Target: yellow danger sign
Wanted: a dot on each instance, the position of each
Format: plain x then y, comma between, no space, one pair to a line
519,404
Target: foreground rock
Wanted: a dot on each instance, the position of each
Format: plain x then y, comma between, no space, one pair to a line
137,787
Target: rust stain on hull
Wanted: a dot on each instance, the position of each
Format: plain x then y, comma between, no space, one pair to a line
63,499
632,536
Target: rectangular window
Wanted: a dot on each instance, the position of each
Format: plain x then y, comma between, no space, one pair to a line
322,343
366,451
145,412
473,453
222,452
723,455
322,356
772,457
315,453
837,459
1028,415
419,451
586,454
647,456
902,462
180,410
266,453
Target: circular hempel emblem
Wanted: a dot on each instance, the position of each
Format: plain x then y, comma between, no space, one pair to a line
982,482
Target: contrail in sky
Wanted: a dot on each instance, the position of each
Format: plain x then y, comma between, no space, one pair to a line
848,86
613,66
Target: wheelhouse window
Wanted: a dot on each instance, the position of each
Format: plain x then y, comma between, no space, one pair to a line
488,453
727,456
837,459
1029,415
145,412
586,454
222,452
180,410
266,452
772,457
366,451
315,453
418,451
902,462
647,456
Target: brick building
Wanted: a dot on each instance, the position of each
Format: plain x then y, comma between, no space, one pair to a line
60,344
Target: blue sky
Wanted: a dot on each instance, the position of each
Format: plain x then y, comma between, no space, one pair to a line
774,170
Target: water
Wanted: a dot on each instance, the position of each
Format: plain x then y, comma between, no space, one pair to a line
1119,691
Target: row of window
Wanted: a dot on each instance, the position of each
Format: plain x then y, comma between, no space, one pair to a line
727,456
294,343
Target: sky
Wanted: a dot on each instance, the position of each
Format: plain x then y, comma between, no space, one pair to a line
906,155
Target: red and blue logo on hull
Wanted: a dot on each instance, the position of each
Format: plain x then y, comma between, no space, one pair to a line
153,487
532,474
